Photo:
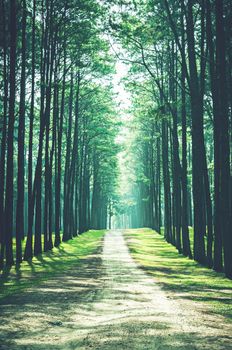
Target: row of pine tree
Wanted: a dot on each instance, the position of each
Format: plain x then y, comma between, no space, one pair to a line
57,127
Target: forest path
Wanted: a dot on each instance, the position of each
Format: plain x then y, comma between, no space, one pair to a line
106,303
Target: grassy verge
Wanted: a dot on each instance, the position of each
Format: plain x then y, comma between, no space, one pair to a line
50,263
183,277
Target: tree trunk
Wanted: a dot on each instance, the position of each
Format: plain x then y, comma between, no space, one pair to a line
184,179
223,124
166,181
21,141
3,141
28,250
197,142
9,200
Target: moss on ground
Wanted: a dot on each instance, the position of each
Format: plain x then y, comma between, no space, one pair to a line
43,267
176,273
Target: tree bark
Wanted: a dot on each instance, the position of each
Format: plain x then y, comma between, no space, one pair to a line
223,124
3,141
28,249
21,142
9,200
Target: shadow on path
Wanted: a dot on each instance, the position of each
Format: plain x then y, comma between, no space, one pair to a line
106,302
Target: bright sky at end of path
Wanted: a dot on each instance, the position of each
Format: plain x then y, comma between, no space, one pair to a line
123,97
124,101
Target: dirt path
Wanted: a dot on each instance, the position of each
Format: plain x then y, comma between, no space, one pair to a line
107,303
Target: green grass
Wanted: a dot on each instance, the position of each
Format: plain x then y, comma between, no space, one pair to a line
191,236
48,264
183,277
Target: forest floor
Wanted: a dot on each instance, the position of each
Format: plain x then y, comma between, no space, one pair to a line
107,301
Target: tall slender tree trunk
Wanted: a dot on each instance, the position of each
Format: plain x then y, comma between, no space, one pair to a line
3,141
176,159
74,163
184,179
28,249
223,124
21,141
59,159
197,142
9,200
166,181
66,212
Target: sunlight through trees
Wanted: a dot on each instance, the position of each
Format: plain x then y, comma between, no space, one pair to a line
114,114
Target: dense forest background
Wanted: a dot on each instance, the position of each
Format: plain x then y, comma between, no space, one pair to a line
58,124
60,157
